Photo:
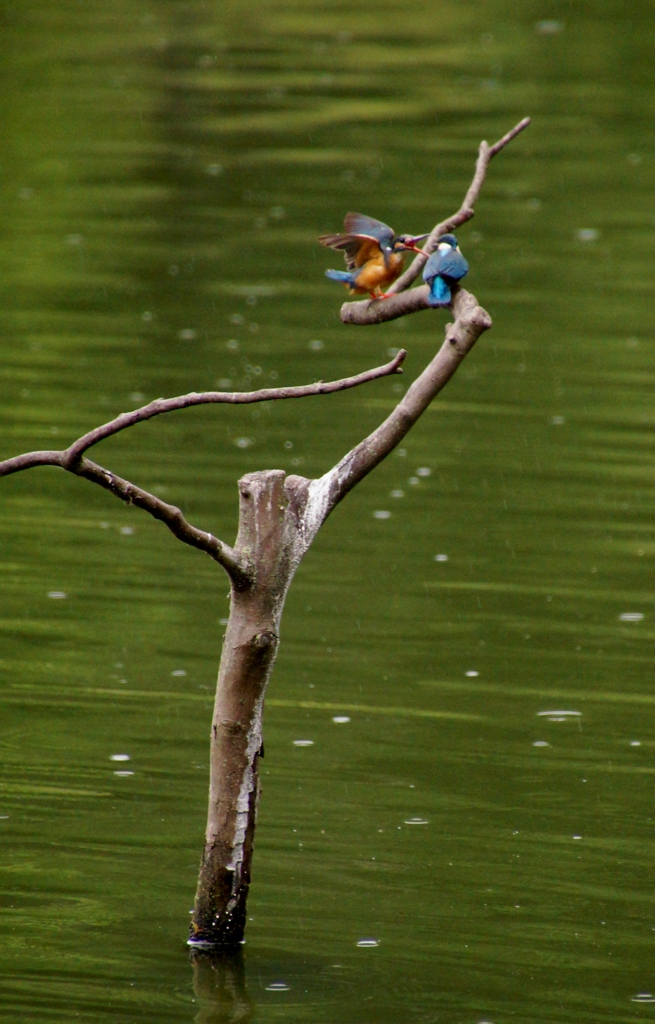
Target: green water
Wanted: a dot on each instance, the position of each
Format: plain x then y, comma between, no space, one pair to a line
165,170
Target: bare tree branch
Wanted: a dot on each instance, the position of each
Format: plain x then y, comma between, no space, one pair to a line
376,311
160,405
315,499
71,459
236,567
466,210
367,313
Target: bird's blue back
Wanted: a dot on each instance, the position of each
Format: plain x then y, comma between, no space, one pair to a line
446,264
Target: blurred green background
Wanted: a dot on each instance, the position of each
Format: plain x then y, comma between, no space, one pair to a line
165,169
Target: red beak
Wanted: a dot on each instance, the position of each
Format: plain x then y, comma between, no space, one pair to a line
411,243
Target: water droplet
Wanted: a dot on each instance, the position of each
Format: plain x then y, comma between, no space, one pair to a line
127,531
382,514
587,234
549,27
303,743
214,169
120,757
471,672
635,743
423,471
178,672
631,616
277,986
243,442
315,345
56,594
416,821
123,773
540,743
146,317
340,719
397,493
643,997
441,558
557,421
187,334
368,942
288,445
413,480
577,837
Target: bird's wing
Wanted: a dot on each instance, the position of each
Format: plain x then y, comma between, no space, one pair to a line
357,249
360,224
448,264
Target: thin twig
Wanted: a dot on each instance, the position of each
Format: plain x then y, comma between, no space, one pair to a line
466,210
161,405
72,459
170,516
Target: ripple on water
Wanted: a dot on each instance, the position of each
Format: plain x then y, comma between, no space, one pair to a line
559,716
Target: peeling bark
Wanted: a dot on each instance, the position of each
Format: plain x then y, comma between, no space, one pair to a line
279,518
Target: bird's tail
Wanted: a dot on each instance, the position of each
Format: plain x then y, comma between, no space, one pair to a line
340,275
439,292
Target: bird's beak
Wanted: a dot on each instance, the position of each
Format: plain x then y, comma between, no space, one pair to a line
412,243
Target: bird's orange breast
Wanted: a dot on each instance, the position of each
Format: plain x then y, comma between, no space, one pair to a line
375,275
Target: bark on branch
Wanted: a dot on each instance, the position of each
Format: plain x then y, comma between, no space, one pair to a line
471,320
72,459
280,516
377,311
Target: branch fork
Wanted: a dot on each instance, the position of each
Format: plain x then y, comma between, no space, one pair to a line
279,517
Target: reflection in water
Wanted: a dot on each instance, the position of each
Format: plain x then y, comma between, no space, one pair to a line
219,984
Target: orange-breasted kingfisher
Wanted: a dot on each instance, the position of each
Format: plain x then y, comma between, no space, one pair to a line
372,252
444,268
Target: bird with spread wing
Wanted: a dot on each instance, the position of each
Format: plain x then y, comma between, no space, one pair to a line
373,254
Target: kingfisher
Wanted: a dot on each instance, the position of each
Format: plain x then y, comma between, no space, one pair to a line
372,252
444,268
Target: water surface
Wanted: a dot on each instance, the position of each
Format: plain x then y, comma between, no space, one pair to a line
166,170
